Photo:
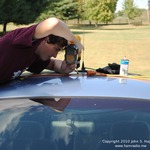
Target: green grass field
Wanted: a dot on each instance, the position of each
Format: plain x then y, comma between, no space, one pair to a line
111,43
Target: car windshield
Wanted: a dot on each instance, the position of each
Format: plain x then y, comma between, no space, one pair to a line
89,123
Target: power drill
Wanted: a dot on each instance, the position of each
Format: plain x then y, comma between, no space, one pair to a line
71,55
71,52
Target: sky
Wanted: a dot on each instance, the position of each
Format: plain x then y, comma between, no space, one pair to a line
138,3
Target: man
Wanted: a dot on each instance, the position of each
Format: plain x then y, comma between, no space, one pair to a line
35,48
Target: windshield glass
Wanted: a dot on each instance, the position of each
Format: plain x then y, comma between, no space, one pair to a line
91,124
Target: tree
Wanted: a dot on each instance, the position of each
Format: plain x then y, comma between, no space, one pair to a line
63,9
49,12
130,10
66,10
20,11
80,9
120,13
107,9
100,10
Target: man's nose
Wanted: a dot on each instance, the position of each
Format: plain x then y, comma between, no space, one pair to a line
55,54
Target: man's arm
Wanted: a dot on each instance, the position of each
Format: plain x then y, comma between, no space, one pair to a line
60,66
57,27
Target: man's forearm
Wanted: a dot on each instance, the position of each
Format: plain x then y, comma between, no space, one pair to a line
55,65
56,27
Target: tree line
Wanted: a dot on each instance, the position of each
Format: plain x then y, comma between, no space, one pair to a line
23,12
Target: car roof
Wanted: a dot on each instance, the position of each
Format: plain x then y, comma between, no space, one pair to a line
75,86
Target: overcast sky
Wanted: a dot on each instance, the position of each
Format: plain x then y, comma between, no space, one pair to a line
139,3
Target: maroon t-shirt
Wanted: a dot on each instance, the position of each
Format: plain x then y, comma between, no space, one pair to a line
17,54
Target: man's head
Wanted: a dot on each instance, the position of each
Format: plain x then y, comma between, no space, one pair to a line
51,46
57,40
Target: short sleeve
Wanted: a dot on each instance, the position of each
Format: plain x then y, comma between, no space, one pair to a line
23,36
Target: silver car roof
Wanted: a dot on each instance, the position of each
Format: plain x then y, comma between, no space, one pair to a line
76,86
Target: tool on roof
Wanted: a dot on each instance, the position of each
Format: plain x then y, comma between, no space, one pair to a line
71,54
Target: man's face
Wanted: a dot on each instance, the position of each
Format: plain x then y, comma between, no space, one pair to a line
46,50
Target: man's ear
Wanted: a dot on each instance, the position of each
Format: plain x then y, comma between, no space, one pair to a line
47,39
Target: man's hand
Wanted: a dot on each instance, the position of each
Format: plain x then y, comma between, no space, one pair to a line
66,68
60,66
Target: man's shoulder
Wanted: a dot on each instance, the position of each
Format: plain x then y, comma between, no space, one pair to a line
23,36
25,29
